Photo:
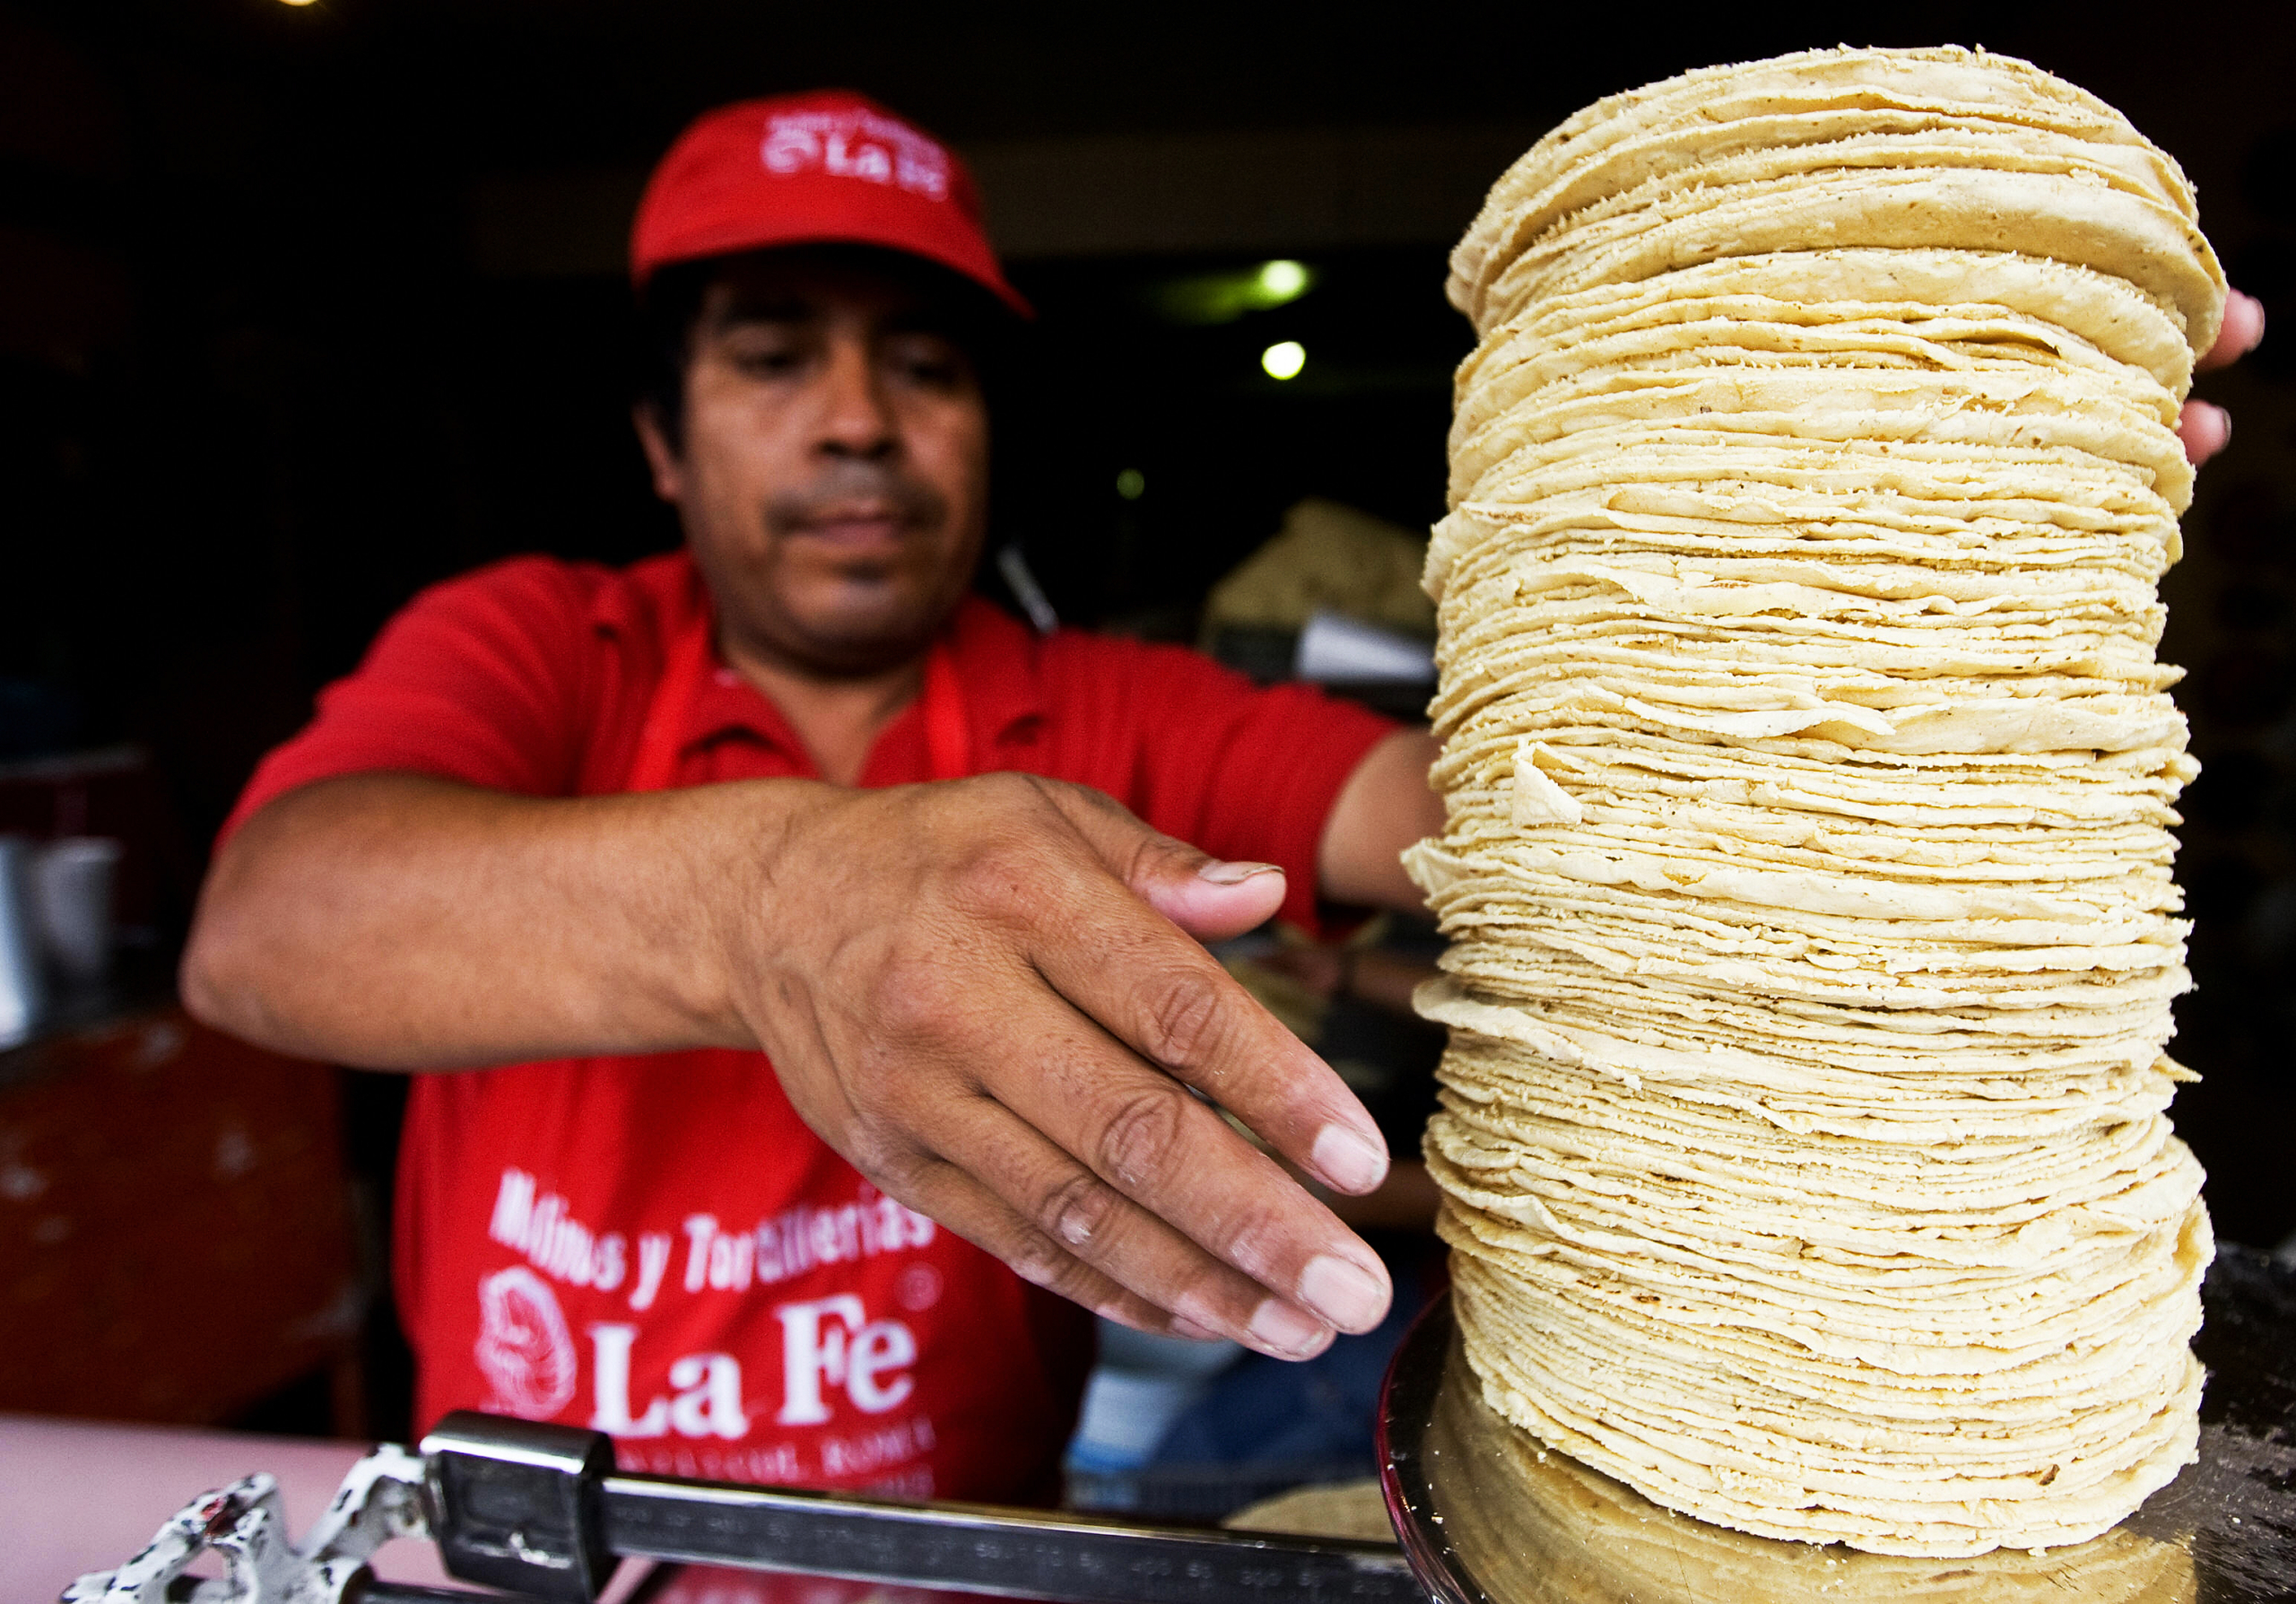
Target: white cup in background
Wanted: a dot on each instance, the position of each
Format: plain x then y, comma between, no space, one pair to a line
24,996
72,885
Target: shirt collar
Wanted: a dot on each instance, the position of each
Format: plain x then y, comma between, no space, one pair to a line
998,661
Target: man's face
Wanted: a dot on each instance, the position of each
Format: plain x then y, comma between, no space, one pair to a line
834,471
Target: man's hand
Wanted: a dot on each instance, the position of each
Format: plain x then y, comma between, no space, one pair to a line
2205,427
985,993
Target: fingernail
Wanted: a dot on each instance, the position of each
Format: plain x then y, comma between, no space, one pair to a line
1344,1293
1348,1159
2209,409
1234,874
1285,1331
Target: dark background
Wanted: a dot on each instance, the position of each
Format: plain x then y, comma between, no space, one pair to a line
301,309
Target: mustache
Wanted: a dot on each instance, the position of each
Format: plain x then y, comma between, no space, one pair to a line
911,503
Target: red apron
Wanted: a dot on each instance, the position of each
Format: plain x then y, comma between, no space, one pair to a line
659,1248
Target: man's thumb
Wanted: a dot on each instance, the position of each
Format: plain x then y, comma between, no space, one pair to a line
1210,898
1214,898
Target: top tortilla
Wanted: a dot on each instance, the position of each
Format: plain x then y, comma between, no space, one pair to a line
1953,126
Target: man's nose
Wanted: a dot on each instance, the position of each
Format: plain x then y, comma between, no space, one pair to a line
856,417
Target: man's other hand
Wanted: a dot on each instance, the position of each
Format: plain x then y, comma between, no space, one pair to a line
2205,427
990,997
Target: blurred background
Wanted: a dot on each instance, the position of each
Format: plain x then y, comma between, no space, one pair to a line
303,307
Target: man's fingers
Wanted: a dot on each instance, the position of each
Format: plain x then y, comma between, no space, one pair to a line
1169,1001
1174,1005
2205,429
1160,1169
1065,1208
941,1190
2239,334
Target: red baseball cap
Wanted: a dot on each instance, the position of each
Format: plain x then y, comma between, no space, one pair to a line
827,167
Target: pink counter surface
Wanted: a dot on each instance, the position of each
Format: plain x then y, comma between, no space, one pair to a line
78,1495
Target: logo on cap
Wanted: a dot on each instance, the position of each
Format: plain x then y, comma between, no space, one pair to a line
855,143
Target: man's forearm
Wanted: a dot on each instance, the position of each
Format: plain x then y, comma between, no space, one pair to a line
1385,805
402,921
990,995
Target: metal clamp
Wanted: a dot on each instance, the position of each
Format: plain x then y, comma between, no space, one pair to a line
518,1505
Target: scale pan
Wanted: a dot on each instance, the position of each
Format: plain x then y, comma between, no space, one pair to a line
1488,1516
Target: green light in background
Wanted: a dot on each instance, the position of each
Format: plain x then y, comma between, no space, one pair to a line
1130,483
1283,281
1224,297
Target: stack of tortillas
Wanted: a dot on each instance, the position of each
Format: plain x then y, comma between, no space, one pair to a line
1577,1537
1809,772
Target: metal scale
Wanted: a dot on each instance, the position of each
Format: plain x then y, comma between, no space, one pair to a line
1483,1516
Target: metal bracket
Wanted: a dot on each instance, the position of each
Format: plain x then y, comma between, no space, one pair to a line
518,1505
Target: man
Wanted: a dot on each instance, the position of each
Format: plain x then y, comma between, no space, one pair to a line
792,790
614,833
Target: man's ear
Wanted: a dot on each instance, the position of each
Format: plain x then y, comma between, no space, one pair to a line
668,468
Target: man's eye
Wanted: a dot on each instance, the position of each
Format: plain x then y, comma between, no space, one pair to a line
768,361
929,363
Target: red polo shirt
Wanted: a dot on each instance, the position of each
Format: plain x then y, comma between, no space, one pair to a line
658,1247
